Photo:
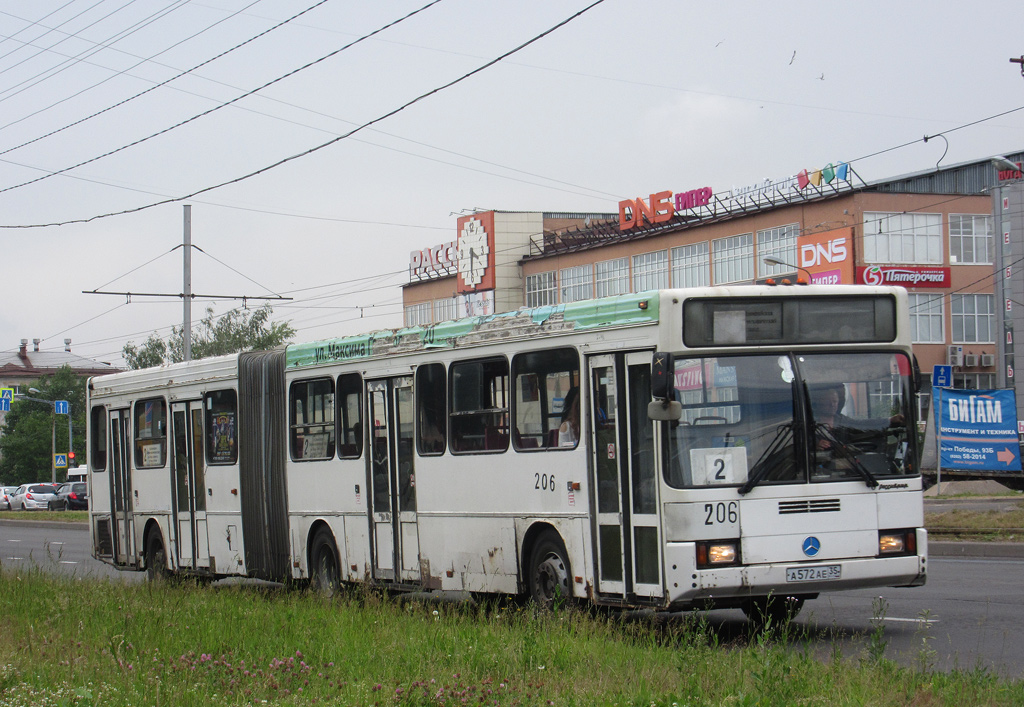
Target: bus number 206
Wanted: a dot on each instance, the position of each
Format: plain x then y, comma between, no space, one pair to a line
721,512
544,482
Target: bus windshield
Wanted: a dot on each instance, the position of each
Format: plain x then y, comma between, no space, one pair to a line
792,418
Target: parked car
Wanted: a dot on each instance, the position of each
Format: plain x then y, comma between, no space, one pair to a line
5,497
32,497
73,496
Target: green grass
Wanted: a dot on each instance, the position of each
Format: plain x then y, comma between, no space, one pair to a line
997,525
61,516
80,642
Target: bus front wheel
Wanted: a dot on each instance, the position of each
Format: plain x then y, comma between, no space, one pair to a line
324,574
549,572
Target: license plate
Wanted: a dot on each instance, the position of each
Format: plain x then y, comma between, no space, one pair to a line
813,574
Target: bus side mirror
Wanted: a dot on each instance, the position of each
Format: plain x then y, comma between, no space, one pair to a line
663,407
664,410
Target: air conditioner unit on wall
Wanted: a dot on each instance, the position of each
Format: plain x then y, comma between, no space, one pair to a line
970,361
955,356
988,360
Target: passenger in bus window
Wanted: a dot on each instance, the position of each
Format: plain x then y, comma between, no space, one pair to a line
569,430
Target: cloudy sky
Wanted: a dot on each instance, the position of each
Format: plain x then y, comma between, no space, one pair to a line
114,114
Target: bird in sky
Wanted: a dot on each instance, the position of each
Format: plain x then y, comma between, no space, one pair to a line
792,58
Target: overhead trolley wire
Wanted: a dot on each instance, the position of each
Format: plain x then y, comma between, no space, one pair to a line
156,85
216,108
330,142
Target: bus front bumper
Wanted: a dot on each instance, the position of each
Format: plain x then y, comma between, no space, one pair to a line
693,587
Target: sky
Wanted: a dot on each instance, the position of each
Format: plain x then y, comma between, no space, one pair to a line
115,114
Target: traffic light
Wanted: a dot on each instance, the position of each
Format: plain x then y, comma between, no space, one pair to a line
71,458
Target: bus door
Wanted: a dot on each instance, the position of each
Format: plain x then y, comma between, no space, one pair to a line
392,484
626,482
121,486
188,485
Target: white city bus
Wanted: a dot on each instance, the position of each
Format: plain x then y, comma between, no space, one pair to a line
734,444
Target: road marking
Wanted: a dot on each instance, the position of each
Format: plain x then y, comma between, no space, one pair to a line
69,562
914,621
15,558
13,541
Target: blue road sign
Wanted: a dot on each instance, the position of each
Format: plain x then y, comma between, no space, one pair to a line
5,405
61,407
6,393
60,461
942,377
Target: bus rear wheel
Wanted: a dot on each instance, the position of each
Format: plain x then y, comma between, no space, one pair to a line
324,575
548,580
156,558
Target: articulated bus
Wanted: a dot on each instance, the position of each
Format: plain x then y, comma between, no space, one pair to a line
691,448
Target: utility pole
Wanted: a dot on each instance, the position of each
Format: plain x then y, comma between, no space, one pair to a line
186,327
186,293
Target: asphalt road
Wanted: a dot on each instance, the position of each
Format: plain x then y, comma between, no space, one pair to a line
966,616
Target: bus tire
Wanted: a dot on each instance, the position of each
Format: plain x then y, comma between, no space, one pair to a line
549,572
156,557
773,611
324,574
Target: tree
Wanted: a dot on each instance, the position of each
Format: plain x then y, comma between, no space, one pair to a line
28,431
238,330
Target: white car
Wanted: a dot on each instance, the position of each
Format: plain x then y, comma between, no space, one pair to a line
33,497
5,497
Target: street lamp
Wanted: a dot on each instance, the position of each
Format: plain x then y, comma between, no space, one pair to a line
772,260
53,428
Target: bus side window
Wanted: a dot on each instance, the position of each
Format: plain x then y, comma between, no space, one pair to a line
151,433
311,404
430,409
350,416
98,438
542,381
479,405
221,408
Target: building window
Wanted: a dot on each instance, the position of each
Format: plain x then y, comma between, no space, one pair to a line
733,258
690,267
577,283
902,238
926,318
541,290
612,277
445,309
779,243
974,381
418,314
650,271
973,319
970,239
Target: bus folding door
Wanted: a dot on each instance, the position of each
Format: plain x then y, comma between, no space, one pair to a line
628,527
392,485
188,470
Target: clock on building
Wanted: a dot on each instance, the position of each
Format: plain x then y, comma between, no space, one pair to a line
473,253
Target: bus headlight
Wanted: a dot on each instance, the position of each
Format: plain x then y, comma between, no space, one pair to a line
897,542
717,553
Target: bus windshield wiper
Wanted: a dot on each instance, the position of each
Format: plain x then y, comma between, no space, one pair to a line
846,454
761,467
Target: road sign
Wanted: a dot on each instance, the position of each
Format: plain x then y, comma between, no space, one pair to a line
5,405
61,407
942,377
60,461
6,393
